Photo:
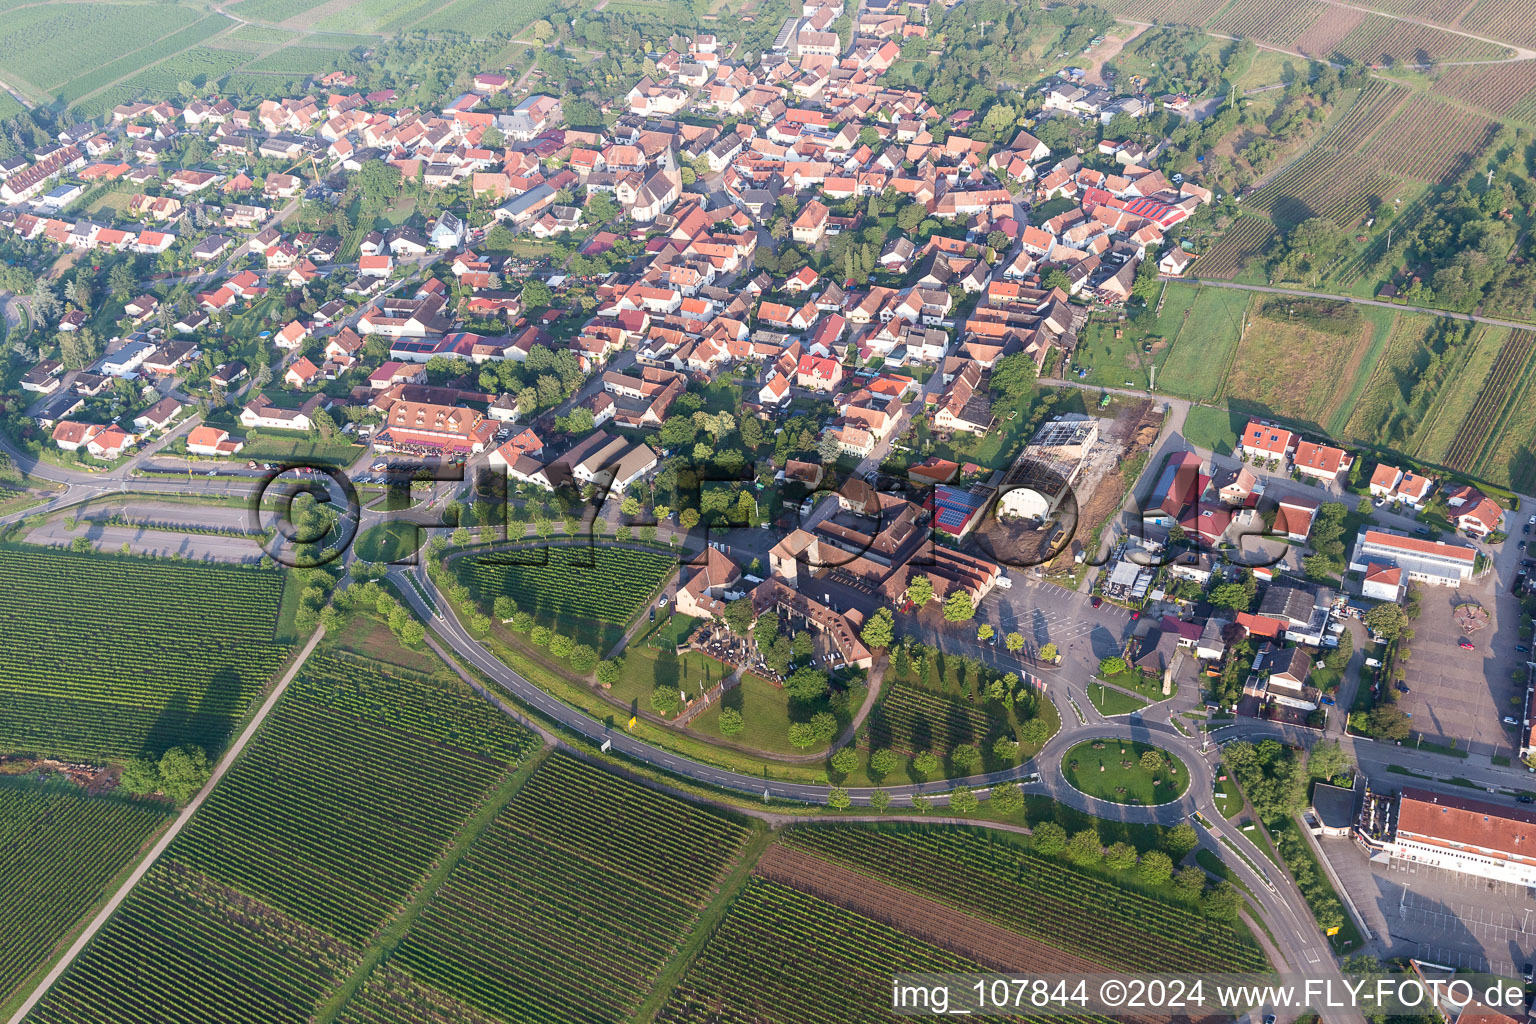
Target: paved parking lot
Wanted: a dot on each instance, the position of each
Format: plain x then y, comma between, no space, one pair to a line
1445,916
1459,695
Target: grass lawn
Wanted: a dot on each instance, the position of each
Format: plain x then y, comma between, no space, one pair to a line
669,631
646,668
764,711
294,446
1216,429
1203,326
1229,800
1150,688
1111,770
388,542
1113,702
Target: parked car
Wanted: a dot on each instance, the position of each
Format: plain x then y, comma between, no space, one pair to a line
1510,721
1522,649
1402,688
1464,644
1097,602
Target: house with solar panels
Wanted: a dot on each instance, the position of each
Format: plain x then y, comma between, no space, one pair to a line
957,510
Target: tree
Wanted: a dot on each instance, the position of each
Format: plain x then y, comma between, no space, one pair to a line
1234,596
838,799
1223,901
878,631
141,777
844,760
1120,856
1112,666
1049,838
879,800
1014,641
1180,839
962,800
1007,798
1152,761
1005,748
882,762
920,590
1048,652
1085,848
541,31
1389,722
583,659
806,684
1189,881
801,735
1016,376
731,722
1156,868
738,615
504,608
966,757
664,700
958,607
927,764
1386,621
1327,760
985,632
183,771
688,518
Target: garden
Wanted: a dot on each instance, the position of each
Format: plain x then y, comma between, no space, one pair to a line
1125,772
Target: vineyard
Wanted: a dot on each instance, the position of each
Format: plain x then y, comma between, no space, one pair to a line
1036,897
569,905
1188,12
367,16
1246,238
1385,399
272,10
390,996
482,17
391,762
355,787
61,848
1378,38
781,956
111,656
50,44
1273,21
1428,140
183,947
1441,12
1502,383
1514,20
122,67
580,590
910,719
1325,34
297,60
1503,90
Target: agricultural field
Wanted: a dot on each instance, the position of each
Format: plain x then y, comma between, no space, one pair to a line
111,656
1077,913
365,16
1298,372
357,785
200,65
1453,137
1470,449
1514,20
1204,332
588,592
1385,397
782,956
572,901
1272,21
912,719
1441,12
272,11
33,48
60,849
1432,440
1240,243
485,17
1377,38
125,67
297,60
1503,90
1187,12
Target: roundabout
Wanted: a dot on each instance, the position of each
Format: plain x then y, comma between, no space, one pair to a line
1125,771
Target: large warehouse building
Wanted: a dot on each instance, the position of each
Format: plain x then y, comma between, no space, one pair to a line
1453,832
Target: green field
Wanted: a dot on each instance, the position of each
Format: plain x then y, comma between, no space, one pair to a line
388,542
1111,702
358,784
61,848
1203,332
1437,431
371,16
1215,429
1384,397
297,60
484,17
1111,770
127,66
111,657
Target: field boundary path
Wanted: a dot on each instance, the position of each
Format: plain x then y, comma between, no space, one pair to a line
1449,314
165,841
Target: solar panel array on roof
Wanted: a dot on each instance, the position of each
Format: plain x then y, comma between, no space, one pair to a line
954,507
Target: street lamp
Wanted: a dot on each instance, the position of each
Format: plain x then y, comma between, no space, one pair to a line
1402,903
